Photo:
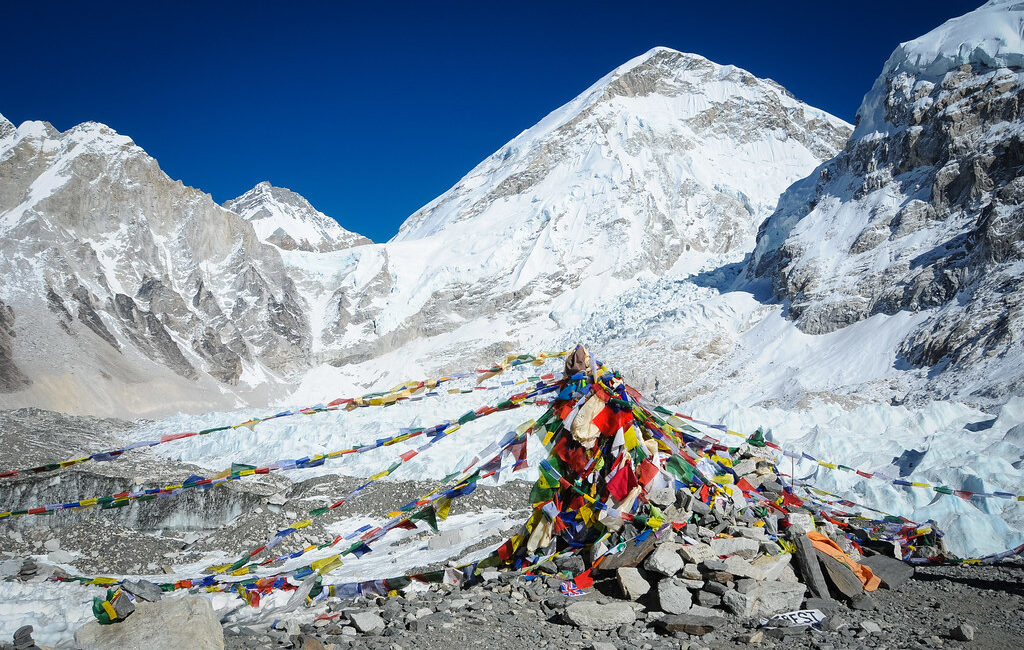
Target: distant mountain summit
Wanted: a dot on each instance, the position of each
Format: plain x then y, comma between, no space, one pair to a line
287,220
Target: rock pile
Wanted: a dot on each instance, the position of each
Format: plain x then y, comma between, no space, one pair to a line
718,562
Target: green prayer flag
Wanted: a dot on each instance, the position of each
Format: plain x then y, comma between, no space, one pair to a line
678,467
428,515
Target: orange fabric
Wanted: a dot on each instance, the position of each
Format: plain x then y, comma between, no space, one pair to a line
826,545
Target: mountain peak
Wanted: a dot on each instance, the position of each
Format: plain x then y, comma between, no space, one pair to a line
606,135
287,220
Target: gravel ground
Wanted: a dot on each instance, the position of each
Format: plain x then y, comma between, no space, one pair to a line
511,612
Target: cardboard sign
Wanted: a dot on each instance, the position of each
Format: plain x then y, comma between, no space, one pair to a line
799,618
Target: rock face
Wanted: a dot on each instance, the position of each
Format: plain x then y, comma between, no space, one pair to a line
171,624
287,220
11,376
126,282
923,211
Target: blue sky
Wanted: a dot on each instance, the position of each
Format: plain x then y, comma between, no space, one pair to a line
372,110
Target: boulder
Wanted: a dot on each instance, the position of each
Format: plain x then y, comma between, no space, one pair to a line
841,576
171,624
665,560
810,568
893,572
662,497
632,583
632,555
962,632
765,600
367,622
673,596
800,523
740,568
741,546
595,616
772,566
696,553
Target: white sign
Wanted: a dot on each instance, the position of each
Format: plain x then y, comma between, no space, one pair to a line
797,618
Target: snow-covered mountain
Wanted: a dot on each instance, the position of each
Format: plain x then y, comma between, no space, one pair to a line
127,291
923,212
665,165
624,218
666,161
287,220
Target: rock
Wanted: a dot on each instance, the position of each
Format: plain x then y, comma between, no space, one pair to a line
662,497
782,633
367,622
602,645
741,546
708,599
171,624
871,627
143,589
800,523
810,568
715,588
740,568
277,499
751,637
827,606
673,596
770,548
306,642
595,616
52,545
632,583
745,467
841,576
23,639
632,555
893,572
574,563
772,566
765,600
691,572
665,560
700,610
713,565
962,632
863,602
697,506
9,568
689,624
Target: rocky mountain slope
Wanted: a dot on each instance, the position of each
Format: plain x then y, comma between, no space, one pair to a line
287,220
125,289
923,211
